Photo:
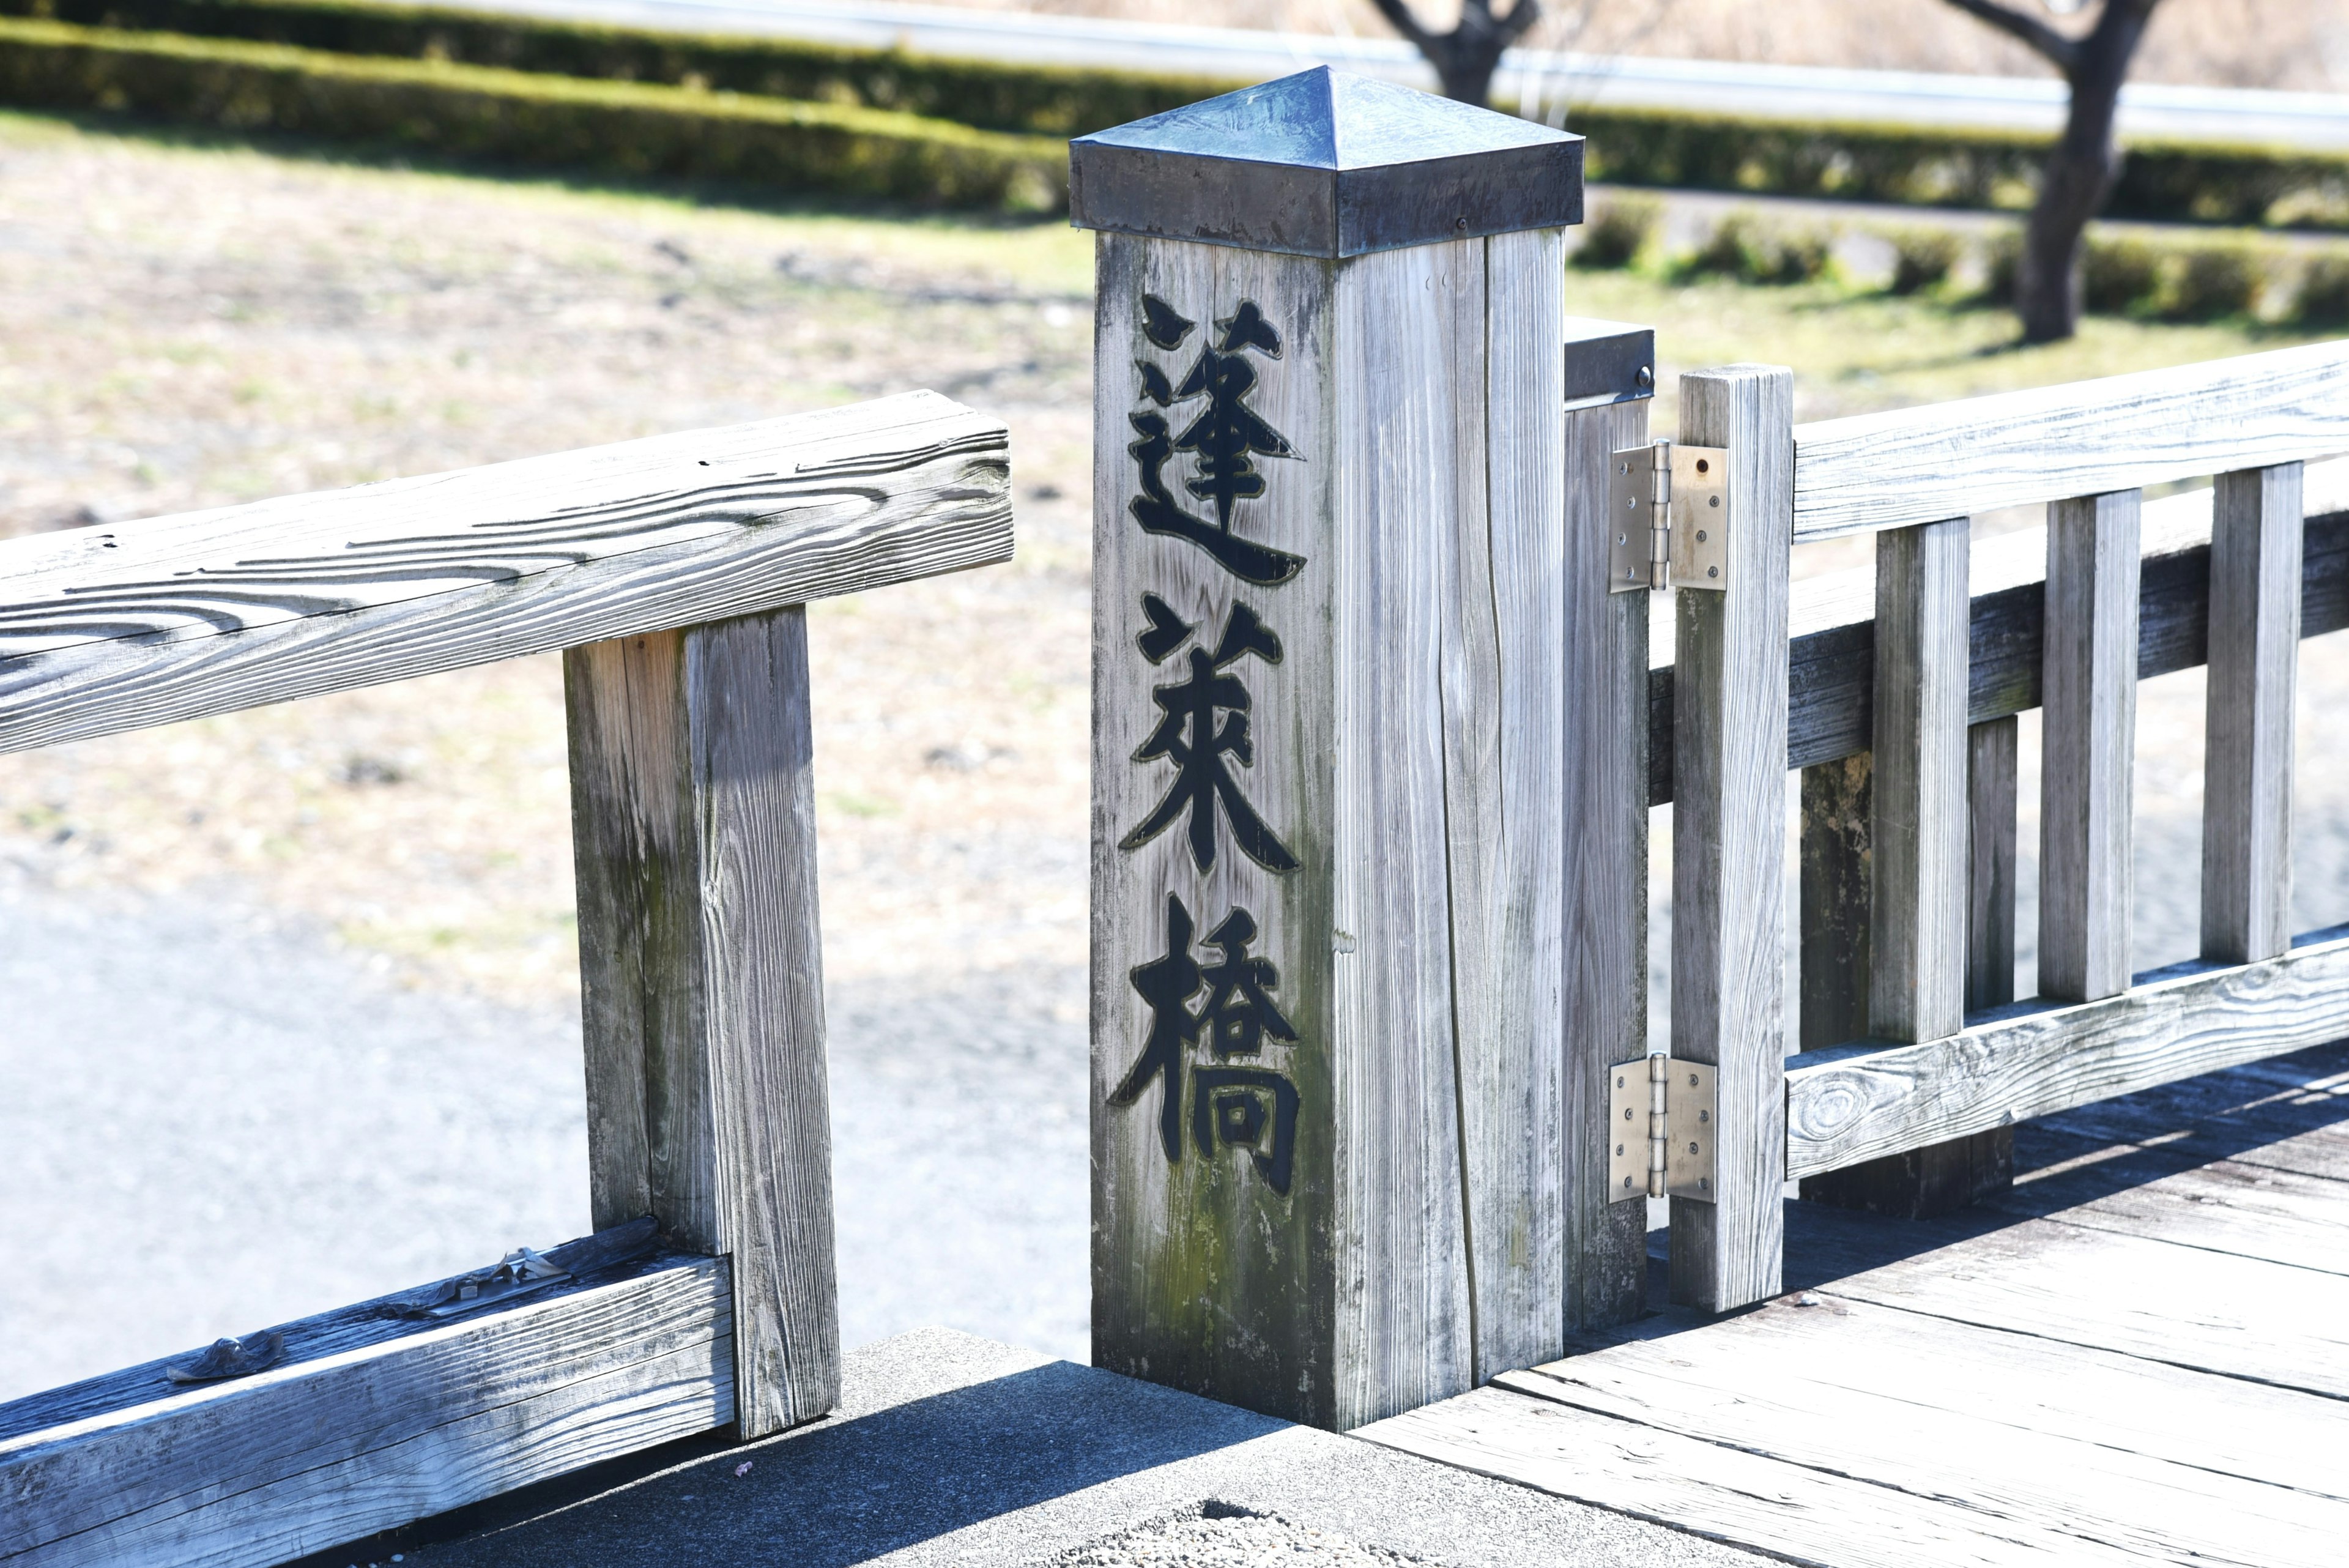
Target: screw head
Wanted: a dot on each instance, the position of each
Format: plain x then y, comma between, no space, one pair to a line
1713,501
1712,571
1691,1149
1646,377
1703,465
1700,536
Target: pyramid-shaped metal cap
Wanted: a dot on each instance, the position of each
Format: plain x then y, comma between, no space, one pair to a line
1325,164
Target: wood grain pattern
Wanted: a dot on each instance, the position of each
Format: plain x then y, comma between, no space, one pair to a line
1405,1333
1715,1491
2055,1445
1505,761
2089,746
1831,655
701,966
2255,573
170,618
1948,460
1917,924
2235,1317
1862,1101
1729,795
1605,940
1205,1278
341,1442
1406,748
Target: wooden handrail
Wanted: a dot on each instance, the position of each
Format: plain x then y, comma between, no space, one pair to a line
1832,624
145,623
2121,432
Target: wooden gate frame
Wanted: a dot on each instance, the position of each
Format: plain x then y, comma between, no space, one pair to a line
1917,1060
672,572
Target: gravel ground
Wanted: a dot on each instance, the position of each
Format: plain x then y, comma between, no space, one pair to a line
1219,1539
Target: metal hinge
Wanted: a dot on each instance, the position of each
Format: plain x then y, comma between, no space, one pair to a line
1668,509
1660,1113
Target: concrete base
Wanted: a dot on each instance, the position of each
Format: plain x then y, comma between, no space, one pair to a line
953,1449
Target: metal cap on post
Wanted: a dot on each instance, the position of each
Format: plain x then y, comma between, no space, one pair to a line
1328,756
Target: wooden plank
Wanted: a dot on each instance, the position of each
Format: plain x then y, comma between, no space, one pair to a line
2052,1442
693,817
1605,813
1917,931
1946,460
1729,842
1715,1492
2255,574
2183,1306
1403,1331
2089,742
2286,1113
1863,1101
2171,1194
1502,673
1992,774
1831,656
1204,1277
170,618
338,1443
1911,965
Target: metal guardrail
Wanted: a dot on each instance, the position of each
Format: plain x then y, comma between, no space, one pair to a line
1528,80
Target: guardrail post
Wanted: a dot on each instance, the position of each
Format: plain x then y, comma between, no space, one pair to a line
1328,758
1606,821
1729,840
693,817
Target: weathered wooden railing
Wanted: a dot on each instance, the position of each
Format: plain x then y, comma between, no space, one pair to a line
671,571
1898,708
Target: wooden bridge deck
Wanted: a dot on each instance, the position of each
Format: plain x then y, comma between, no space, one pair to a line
2140,1354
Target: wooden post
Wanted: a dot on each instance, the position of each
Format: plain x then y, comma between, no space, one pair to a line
1605,808
2255,592
693,815
2088,731
1992,760
1729,841
1915,870
1328,759
1834,891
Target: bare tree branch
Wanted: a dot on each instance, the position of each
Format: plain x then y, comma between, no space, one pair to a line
1399,16
1522,15
2061,52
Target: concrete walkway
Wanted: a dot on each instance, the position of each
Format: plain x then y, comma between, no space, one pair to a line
212,1119
953,1449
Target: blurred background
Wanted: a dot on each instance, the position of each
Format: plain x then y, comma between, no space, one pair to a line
288,999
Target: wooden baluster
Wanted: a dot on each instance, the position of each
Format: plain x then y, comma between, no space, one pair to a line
1604,824
1990,798
1729,833
2255,569
1832,916
1912,968
693,817
2088,731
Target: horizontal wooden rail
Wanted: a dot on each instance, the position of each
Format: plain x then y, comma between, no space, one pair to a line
104,630
1865,1099
2122,433
372,1421
1832,641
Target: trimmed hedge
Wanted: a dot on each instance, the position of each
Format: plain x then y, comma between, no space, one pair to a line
471,111
1035,100
2159,182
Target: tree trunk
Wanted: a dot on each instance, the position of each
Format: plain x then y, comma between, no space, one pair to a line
1466,58
2078,176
